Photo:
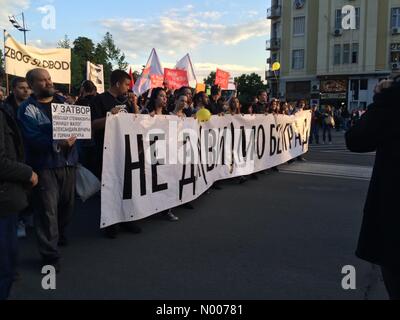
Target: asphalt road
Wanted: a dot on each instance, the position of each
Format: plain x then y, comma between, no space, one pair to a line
284,236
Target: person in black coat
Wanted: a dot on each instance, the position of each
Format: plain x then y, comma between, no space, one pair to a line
15,180
378,130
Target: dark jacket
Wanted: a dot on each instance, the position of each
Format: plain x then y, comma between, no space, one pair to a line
260,108
15,176
214,107
11,106
42,152
378,130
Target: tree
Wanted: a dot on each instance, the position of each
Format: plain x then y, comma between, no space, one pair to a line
210,80
65,43
84,49
114,55
248,86
82,52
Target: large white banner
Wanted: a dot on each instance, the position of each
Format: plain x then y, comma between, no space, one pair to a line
95,73
20,59
152,164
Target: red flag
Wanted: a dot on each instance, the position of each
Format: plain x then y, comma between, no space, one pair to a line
132,80
175,79
222,79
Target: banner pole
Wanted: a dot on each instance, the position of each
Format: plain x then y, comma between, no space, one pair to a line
4,57
7,85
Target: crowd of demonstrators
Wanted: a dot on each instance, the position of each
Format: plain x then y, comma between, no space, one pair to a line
36,167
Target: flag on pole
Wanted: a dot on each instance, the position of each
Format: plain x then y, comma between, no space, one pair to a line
132,80
186,64
152,75
222,79
95,73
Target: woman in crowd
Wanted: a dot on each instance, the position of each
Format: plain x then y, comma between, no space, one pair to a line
234,106
274,107
315,125
181,102
133,102
157,105
328,123
285,108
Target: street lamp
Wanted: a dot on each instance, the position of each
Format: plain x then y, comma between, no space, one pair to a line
18,26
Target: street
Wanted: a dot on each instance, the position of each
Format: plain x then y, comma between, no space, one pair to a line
286,235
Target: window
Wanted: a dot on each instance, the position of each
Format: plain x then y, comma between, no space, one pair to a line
336,54
358,18
276,30
299,26
364,84
346,53
298,59
354,53
338,19
355,88
395,17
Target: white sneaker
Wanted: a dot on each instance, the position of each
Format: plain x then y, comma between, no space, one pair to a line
21,230
171,217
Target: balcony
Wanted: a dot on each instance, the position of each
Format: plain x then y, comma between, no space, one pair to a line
273,44
274,12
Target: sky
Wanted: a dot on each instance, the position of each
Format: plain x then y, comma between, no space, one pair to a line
228,34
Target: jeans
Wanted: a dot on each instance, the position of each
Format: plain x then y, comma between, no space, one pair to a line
8,253
391,277
327,129
314,133
54,206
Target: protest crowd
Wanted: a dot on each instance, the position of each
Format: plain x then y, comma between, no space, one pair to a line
38,174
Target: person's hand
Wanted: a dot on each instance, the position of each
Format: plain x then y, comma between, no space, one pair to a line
384,84
34,179
116,110
67,143
71,141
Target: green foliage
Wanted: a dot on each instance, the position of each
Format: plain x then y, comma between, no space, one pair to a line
248,85
210,80
105,53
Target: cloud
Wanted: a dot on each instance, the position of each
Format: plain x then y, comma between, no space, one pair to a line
11,7
180,30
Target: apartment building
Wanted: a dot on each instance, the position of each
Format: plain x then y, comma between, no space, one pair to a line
322,62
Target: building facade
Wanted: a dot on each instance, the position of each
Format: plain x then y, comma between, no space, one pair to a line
325,64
